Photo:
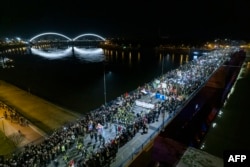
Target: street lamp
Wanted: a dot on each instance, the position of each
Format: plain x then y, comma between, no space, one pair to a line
104,85
162,66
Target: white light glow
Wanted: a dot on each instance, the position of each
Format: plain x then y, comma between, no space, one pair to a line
49,33
214,125
52,54
225,103
89,51
203,145
89,34
220,114
91,55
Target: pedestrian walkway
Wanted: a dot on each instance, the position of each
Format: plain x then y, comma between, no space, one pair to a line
42,113
20,135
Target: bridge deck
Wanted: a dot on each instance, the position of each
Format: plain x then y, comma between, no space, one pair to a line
133,147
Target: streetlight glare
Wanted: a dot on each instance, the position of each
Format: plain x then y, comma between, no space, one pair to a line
3,125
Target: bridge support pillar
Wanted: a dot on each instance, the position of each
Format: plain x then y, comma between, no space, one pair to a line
73,50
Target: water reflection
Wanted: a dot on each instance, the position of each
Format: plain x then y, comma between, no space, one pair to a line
167,57
187,58
99,55
181,59
90,54
52,53
165,60
131,68
130,62
6,62
124,57
139,56
86,54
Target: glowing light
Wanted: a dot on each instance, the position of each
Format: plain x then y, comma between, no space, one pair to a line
49,33
52,55
181,59
89,34
173,57
202,146
225,103
89,51
220,114
139,56
91,55
214,125
122,55
187,57
130,56
58,34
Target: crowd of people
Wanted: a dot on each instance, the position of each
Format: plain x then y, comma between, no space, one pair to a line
12,115
70,140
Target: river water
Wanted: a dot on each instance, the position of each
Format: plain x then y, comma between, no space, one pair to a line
77,81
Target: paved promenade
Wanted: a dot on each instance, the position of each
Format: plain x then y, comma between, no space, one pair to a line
43,114
21,134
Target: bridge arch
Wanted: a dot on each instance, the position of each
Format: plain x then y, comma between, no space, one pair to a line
89,34
50,33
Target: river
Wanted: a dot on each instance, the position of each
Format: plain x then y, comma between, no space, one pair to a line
78,81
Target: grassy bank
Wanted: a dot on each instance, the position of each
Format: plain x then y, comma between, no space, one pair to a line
6,145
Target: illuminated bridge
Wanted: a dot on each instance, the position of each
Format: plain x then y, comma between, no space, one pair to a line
53,40
56,39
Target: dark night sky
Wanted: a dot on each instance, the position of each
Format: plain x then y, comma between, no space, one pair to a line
201,19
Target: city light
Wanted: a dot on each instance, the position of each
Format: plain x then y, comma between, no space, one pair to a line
214,125
220,114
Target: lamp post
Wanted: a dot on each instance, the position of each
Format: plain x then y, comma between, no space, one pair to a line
104,86
162,65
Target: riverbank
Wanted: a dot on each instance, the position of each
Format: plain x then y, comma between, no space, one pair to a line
41,113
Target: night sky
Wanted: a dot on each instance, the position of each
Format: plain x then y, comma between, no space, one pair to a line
201,19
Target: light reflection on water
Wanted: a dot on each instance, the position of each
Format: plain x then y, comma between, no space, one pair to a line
86,54
89,55
73,77
52,53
